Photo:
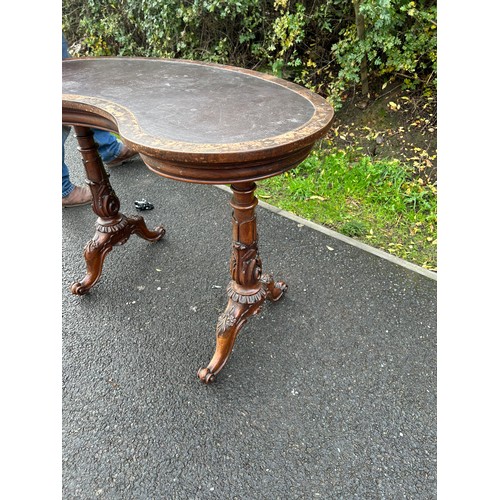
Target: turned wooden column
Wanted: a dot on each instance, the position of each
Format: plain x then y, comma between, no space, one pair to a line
112,227
248,288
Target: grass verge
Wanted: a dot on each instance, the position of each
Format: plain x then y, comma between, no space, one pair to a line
379,202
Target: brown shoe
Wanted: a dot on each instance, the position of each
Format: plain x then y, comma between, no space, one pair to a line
81,195
125,155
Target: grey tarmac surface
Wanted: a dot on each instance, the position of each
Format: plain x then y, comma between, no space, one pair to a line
329,393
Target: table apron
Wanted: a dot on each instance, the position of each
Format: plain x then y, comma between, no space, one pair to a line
228,173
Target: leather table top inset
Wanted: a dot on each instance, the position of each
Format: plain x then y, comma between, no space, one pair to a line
193,112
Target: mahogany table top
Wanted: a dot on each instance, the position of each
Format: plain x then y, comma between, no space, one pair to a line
196,121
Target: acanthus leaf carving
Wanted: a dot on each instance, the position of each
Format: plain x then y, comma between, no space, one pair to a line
226,320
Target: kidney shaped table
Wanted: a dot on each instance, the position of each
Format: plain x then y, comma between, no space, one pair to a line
193,122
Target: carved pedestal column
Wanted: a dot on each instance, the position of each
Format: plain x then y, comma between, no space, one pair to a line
113,228
248,288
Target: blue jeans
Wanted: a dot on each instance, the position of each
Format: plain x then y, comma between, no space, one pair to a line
108,146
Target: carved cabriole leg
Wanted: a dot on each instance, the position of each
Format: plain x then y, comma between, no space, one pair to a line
248,288
112,227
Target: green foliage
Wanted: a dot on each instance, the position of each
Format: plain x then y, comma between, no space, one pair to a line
354,228
379,202
400,41
224,31
312,43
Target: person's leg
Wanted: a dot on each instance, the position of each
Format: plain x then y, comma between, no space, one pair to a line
65,52
112,151
72,196
67,185
109,146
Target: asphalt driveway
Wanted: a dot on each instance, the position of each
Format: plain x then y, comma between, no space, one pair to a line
329,393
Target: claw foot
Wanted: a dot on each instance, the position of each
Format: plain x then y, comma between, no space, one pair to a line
206,376
275,289
78,289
